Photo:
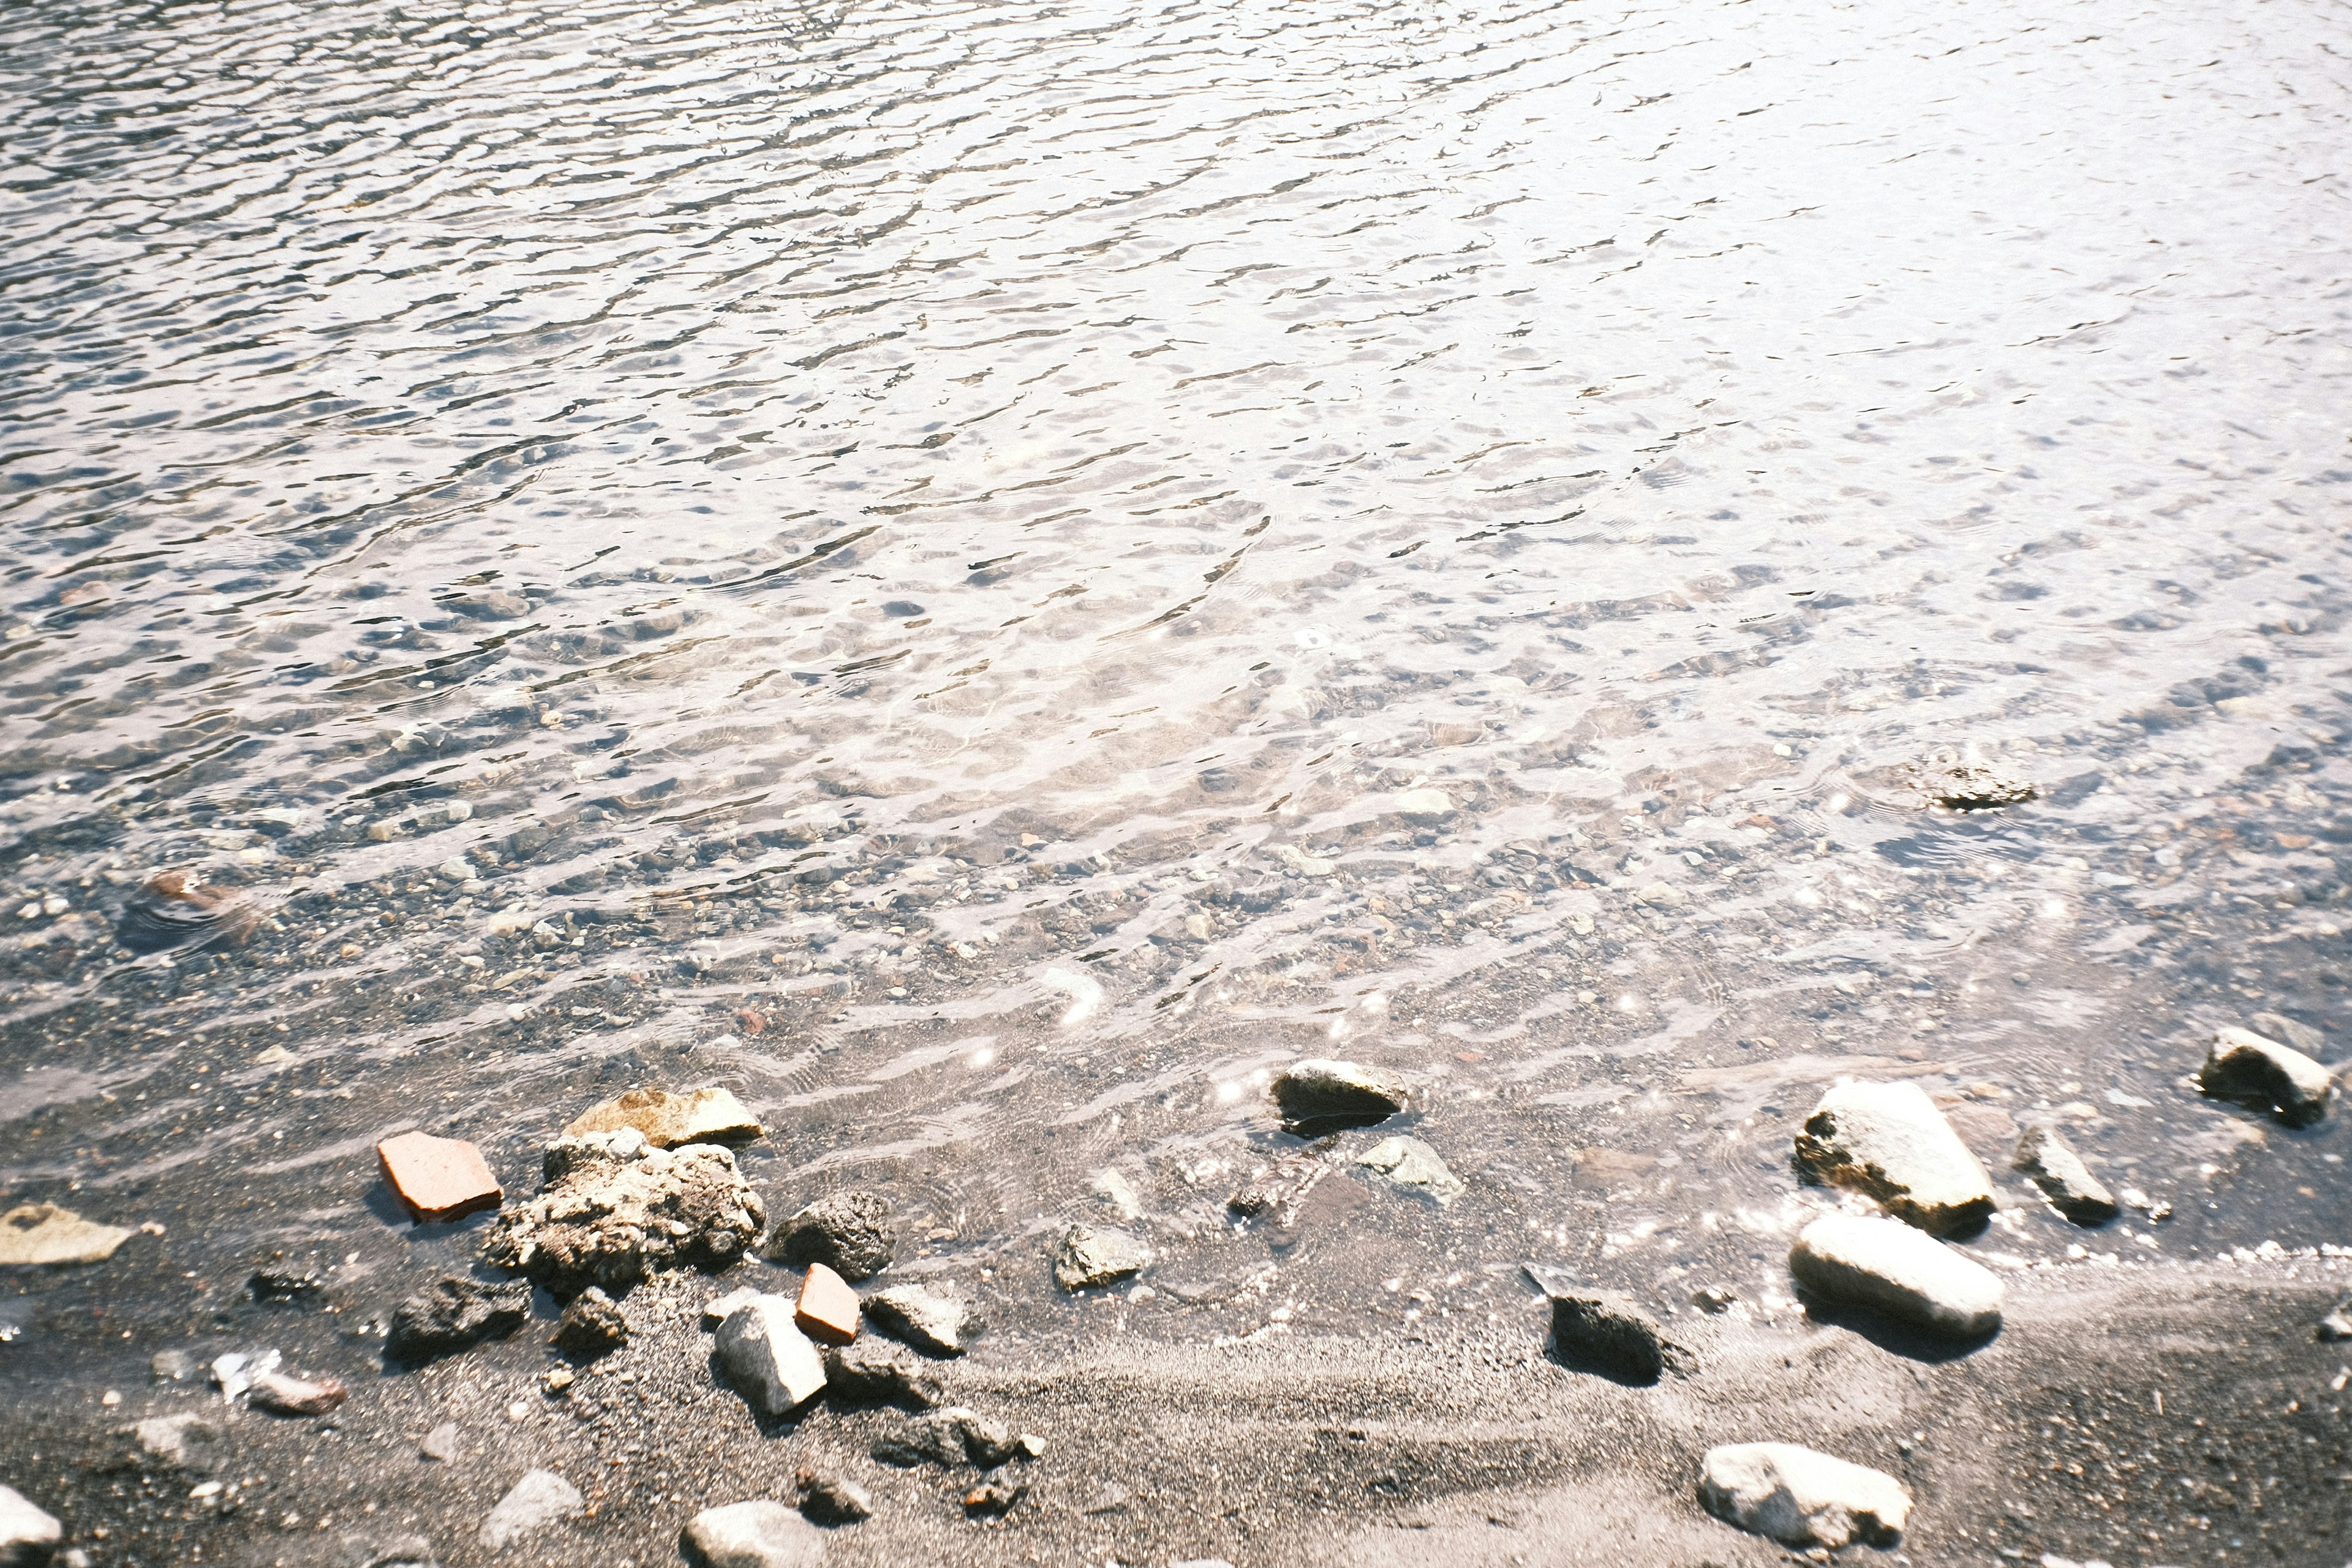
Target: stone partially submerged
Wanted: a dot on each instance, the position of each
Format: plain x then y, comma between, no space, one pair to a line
613,1209
2043,1154
1088,1258
1321,1096
1889,1141
1855,1260
1415,1167
849,1233
666,1120
1799,1498
2242,1066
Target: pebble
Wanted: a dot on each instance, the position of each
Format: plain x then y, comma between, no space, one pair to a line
43,1235
849,1233
454,1313
613,1209
441,1443
757,1534
2044,1153
1088,1258
1424,805
1799,1498
827,1308
876,1373
1886,1265
931,1323
2242,1066
282,1395
1413,1165
2337,1324
28,1535
665,1120
1889,1141
174,1366
541,1499
764,1354
954,1435
590,1326
994,1499
182,1439
438,1179
832,1499
1605,1331
1322,1095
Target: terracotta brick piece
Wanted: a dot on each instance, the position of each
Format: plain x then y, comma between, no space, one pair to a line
438,1178
827,1311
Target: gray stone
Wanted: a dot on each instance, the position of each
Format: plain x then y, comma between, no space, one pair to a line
1088,1258
832,1499
2242,1066
849,1233
188,1440
2044,1153
1883,1264
1605,1332
934,1323
541,1499
28,1536
1799,1498
2279,1026
398,1551
952,1436
453,1314
2337,1324
590,1326
715,1310
757,1534
283,1396
764,1354
868,1373
441,1443
1410,1163
1322,1095
174,1366
613,1209
1889,1141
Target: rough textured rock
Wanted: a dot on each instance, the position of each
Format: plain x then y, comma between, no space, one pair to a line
1605,1332
1088,1258
954,1435
2241,1065
438,1179
1968,785
613,1209
827,1308
757,1534
932,1322
39,1233
453,1314
1321,1095
1799,1498
2044,1153
541,1499
282,1395
28,1535
832,1499
591,1325
767,1358
1881,1264
849,1233
1889,1141
873,1374
1410,1163
666,1120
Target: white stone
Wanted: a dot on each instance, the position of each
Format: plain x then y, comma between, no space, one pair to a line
1411,1163
27,1534
931,1323
539,1499
759,1535
1889,1141
1425,804
2242,1065
766,1356
1884,1264
1799,1498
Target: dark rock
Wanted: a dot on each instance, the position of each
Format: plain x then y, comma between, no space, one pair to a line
954,1435
849,1233
590,1326
303,1286
870,1373
2044,1153
831,1499
2242,1066
1605,1332
453,1314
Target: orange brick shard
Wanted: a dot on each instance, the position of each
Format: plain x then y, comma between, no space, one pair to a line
438,1178
827,1310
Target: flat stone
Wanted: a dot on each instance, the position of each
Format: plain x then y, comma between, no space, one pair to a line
1410,1163
2242,1066
283,1396
174,1366
767,1358
849,1233
715,1310
1799,1498
441,1444
1885,1265
454,1313
931,1323
1889,1141
1322,1095
1424,804
591,1325
827,1308
541,1499
1605,1331
186,1439
2044,1153
1088,1258
28,1535
872,1373
757,1534
438,1179
40,1234
613,1209
829,1498
698,1116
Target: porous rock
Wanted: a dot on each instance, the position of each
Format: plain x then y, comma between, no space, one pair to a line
2043,1154
1799,1498
453,1314
2242,1066
1410,1163
1889,1141
28,1535
1320,1095
1881,1264
613,1209
665,1120
1088,1258
760,1534
870,1373
591,1325
37,1234
849,1233
927,1319
1605,1331
541,1499
767,1358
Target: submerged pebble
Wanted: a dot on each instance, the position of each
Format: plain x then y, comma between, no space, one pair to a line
1325,1095
1889,1141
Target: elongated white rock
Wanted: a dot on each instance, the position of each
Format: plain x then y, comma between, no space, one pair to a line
767,1358
1884,1264
1799,1498
2242,1065
1889,1141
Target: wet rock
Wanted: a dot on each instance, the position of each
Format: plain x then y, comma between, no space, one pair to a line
2044,1154
1799,1498
234,1373
1321,1095
927,1319
174,1366
590,1326
994,1499
173,909
613,1209
2242,1066
28,1535
282,1395
453,1314
1088,1258
1278,1187
539,1499
1889,1141
441,1444
829,1498
849,1233
757,1534
762,1352
1605,1330
826,1310
875,1374
666,1120
1969,786
1424,805
2279,1026
2337,1324
1410,1163
952,1436
302,1285
44,1234
188,1440
438,1179
1894,1270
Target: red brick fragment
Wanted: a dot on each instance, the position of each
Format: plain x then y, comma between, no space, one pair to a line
438,1178
827,1310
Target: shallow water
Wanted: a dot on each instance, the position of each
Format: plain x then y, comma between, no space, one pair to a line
922,561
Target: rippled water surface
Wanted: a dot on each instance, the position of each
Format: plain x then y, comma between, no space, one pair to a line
988,574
